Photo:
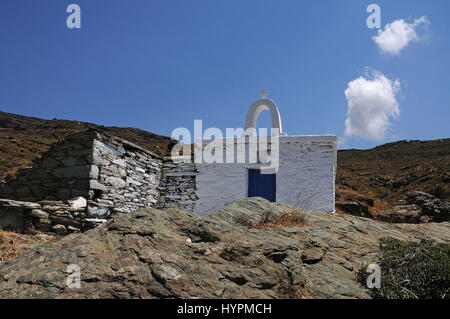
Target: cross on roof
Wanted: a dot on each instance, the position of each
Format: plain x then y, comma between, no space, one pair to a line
264,93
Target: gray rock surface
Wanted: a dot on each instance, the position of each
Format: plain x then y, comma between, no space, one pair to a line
176,254
403,214
417,207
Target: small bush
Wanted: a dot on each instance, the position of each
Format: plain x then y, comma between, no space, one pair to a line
2,241
296,217
411,270
243,220
268,219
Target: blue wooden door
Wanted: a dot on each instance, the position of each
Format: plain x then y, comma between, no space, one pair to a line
262,185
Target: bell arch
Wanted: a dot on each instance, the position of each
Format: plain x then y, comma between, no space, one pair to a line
253,113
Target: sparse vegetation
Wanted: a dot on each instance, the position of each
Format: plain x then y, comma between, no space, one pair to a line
296,217
411,270
267,217
243,220
11,243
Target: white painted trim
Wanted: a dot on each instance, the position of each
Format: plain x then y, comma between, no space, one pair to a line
256,108
282,139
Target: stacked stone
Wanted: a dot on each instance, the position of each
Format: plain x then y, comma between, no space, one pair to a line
60,174
110,174
47,216
178,183
128,179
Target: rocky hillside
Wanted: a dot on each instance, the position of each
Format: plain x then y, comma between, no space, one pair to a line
24,138
155,254
376,179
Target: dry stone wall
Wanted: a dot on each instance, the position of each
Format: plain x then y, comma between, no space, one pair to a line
47,216
129,177
111,174
178,183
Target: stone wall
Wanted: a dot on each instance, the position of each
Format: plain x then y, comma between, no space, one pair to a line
112,175
47,216
129,177
178,183
61,173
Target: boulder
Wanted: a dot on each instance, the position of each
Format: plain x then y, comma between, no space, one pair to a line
427,202
439,210
417,207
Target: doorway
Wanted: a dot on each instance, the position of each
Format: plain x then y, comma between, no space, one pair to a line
262,185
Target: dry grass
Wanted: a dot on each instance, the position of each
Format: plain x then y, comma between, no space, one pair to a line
11,244
294,218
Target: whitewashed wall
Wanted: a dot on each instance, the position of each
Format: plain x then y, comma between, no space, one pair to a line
305,177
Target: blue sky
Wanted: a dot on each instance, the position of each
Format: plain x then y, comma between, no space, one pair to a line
158,65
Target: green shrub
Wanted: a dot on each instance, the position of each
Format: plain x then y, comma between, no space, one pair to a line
411,270
2,241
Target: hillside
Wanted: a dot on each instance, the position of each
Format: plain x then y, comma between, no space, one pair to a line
387,172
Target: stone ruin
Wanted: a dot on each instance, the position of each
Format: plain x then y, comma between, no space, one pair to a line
90,176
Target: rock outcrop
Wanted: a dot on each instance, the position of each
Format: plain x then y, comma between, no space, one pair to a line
417,207
176,254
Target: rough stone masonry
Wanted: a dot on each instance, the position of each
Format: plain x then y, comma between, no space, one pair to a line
88,177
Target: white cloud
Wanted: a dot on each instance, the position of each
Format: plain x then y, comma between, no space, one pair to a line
398,34
372,103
